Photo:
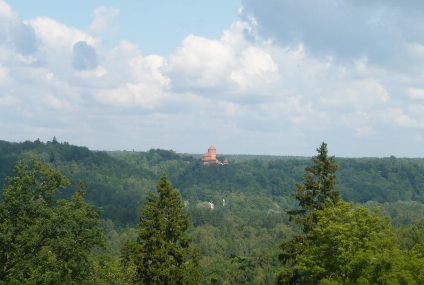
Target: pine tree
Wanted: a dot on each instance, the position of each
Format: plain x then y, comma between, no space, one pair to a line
162,253
314,194
317,191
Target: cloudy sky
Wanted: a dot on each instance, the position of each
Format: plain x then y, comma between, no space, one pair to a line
251,77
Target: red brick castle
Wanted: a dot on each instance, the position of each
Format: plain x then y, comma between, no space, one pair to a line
210,157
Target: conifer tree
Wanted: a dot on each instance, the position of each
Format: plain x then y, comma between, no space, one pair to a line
314,194
317,190
162,253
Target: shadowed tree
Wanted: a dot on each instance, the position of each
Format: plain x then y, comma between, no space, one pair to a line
162,253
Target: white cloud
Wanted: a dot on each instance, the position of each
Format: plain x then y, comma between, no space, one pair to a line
149,68
201,63
416,93
16,35
379,30
364,131
4,76
359,122
104,21
264,86
55,35
230,64
89,74
147,86
398,118
257,67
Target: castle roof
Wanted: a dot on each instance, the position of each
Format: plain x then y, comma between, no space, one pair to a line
212,147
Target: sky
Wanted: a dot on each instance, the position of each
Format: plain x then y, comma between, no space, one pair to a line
270,77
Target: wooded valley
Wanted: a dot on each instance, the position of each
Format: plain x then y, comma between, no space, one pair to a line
262,207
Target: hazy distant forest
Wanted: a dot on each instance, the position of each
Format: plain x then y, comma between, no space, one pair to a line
70,215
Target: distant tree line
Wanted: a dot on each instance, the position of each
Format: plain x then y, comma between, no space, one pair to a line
270,225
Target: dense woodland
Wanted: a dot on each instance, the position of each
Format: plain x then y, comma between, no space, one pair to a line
245,237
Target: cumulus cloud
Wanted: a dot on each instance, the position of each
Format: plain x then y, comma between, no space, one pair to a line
15,32
200,63
344,29
398,118
416,93
84,57
228,65
104,21
283,78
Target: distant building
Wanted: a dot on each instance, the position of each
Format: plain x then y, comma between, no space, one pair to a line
205,205
210,157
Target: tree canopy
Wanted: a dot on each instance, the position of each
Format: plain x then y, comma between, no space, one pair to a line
341,243
238,239
43,240
353,246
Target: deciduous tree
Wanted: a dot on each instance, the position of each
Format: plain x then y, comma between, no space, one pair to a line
353,246
43,240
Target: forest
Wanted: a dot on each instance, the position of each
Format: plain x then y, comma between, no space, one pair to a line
71,215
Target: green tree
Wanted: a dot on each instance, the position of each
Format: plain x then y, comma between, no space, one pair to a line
43,240
314,194
162,253
410,235
317,190
353,246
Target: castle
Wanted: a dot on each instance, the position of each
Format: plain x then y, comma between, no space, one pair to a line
210,157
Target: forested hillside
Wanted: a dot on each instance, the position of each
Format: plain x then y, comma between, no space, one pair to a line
238,238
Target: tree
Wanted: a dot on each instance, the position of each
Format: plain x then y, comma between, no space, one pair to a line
43,240
317,191
314,194
162,253
353,246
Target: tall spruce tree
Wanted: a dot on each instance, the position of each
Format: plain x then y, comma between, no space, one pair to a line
162,253
317,190
314,194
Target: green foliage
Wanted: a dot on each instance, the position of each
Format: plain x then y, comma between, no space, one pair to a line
255,188
353,246
381,180
44,240
110,271
118,181
162,253
411,235
314,194
317,190
400,213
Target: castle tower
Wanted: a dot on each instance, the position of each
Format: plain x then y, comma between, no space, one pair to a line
212,151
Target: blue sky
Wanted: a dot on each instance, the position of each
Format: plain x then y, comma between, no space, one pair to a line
251,77
155,26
